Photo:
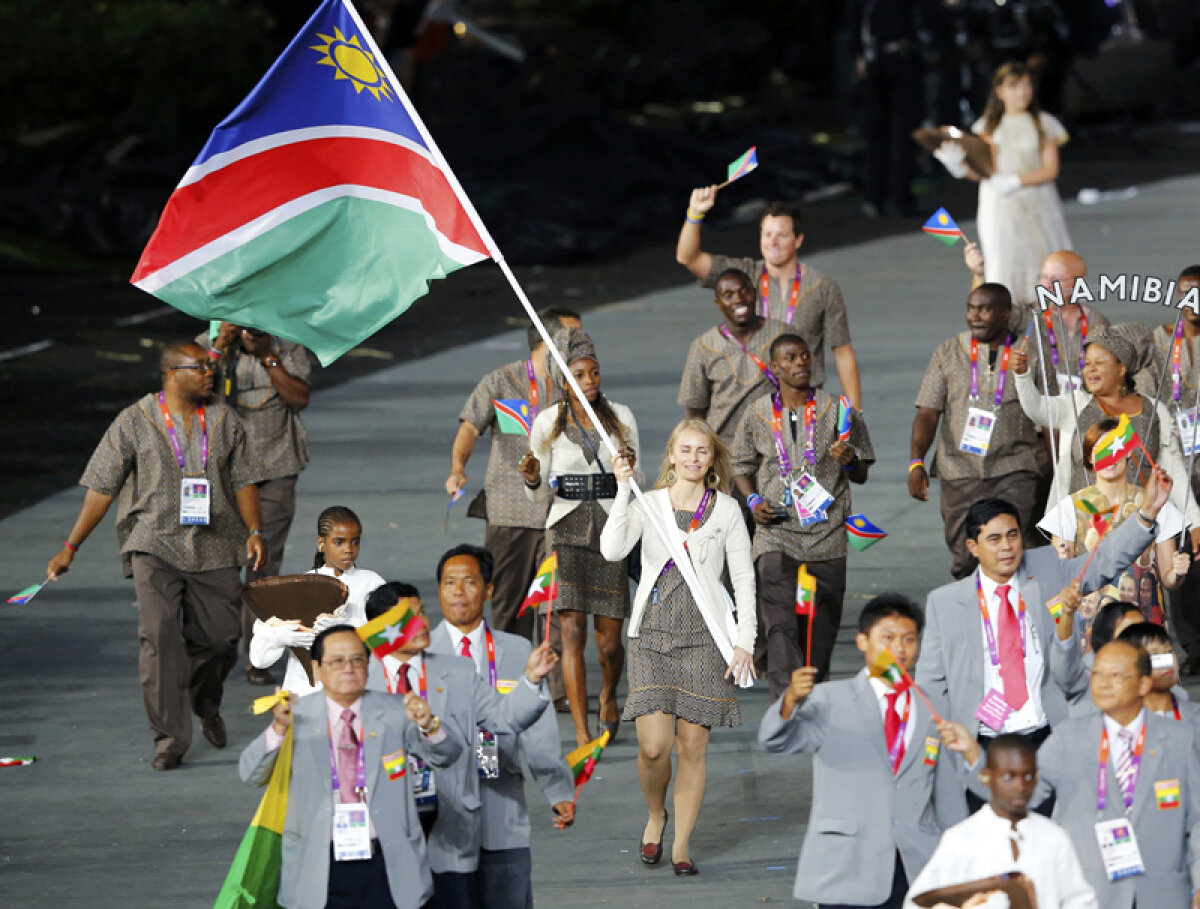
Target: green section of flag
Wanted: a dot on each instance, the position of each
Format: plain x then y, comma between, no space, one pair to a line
292,281
949,241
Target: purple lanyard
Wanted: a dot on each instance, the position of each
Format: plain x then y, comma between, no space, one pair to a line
1001,379
758,361
989,632
810,432
1102,774
361,762
533,391
697,517
1176,357
490,646
898,745
174,437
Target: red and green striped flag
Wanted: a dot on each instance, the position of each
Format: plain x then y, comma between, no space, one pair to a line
1114,445
582,760
394,629
253,878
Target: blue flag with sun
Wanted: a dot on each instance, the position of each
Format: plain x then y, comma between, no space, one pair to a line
317,210
942,226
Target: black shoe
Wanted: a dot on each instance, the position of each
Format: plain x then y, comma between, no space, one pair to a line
685,869
256,676
213,728
166,761
652,852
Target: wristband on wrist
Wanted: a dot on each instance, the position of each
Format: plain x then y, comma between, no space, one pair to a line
694,217
754,500
71,546
1145,519
915,463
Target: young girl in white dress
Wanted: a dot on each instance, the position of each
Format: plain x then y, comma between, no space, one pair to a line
1020,219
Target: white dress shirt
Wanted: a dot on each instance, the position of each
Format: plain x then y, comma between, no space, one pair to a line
478,645
1031,715
391,669
881,692
981,847
1117,748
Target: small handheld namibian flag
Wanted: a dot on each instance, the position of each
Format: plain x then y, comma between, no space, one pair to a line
26,595
389,632
942,226
512,415
843,419
16,761
1114,445
891,673
544,587
861,533
743,165
806,592
582,760
394,764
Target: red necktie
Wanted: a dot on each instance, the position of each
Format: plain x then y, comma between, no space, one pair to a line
347,752
1012,656
466,649
891,728
403,685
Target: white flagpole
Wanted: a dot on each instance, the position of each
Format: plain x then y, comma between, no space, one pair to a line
670,540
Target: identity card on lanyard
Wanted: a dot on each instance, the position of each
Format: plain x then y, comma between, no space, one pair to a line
351,820
800,489
1118,844
977,434
195,502
1067,381
1185,418
993,711
487,749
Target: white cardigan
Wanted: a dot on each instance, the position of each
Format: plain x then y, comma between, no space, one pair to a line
1056,412
723,539
564,456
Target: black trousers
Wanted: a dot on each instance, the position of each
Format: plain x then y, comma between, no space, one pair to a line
892,102
1037,736
895,899
504,878
455,890
359,885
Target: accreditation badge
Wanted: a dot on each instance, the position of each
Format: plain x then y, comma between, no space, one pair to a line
1189,434
977,434
810,498
194,500
423,783
1119,849
487,754
351,831
1068,383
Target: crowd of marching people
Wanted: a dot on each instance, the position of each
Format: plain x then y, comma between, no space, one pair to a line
1024,734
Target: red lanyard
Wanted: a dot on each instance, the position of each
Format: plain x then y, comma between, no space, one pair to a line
174,437
763,367
764,292
490,646
422,687
1002,374
989,632
1102,777
533,391
1176,361
1175,707
810,431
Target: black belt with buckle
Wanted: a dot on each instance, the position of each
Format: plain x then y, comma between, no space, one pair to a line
584,487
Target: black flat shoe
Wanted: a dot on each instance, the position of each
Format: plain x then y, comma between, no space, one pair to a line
685,869
652,852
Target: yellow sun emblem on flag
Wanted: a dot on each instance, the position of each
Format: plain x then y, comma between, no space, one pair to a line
353,62
942,219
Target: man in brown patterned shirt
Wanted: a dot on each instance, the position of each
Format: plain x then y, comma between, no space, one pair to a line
265,379
516,527
794,293
188,513
726,367
783,438
1002,456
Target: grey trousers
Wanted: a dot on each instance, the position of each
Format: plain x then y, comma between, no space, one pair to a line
1019,488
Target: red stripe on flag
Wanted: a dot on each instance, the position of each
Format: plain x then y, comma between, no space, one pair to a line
504,408
943,231
223,201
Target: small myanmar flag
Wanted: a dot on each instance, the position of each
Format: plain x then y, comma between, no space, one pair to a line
942,226
544,587
843,419
26,595
888,670
806,592
512,415
582,760
861,533
389,632
743,165
1114,445
394,764
1056,607
1166,793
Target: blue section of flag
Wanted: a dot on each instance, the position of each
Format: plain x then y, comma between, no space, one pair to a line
860,526
299,91
940,220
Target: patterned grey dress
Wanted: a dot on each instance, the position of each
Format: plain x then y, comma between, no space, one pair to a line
674,664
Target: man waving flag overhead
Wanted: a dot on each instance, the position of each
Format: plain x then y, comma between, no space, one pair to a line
317,210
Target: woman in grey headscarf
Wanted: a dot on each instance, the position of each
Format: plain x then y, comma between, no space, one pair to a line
566,466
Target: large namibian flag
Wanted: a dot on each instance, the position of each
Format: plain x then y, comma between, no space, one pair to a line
317,210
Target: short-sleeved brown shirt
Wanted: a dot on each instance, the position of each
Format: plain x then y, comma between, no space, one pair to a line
946,388
275,431
507,504
719,378
820,316
136,463
754,455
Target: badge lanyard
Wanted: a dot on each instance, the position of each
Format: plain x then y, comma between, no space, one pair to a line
174,437
422,688
693,525
989,632
1002,375
810,431
1102,780
1176,360
1175,707
1054,343
898,744
764,293
766,370
533,391
490,646
362,769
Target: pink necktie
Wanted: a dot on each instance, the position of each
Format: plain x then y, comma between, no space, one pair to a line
466,648
347,751
1012,657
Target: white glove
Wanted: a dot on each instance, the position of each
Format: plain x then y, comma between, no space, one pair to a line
291,634
953,157
1005,184
327,620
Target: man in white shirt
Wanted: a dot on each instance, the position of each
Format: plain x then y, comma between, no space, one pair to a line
1003,837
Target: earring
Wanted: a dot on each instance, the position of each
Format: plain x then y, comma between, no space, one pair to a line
671,477
714,480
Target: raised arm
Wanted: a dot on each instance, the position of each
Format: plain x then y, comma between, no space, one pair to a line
687,249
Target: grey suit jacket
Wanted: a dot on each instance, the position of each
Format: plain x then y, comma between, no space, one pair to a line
459,696
505,815
1168,838
861,813
950,668
304,877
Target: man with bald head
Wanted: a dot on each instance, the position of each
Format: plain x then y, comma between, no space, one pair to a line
188,516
